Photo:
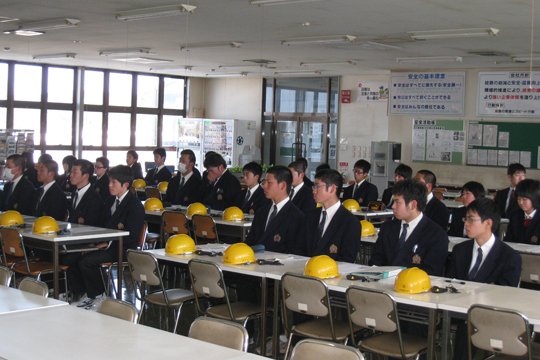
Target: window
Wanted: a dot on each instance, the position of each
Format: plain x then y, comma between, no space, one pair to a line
147,91
3,119
92,128
28,119
58,156
27,82
173,94
91,155
3,81
170,130
59,127
120,89
60,85
119,129
146,130
93,87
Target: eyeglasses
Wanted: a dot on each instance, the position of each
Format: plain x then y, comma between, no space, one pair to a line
359,172
316,187
99,167
470,219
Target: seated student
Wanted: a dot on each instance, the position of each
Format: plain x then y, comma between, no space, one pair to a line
252,198
471,191
402,172
63,180
411,239
301,195
278,225
30,171
362,191
435,209
49,199
483,259
160,172
505,199
524,224
132,160
17,193
122,211
86,203
307,180
331,229
101,184
219,188
182,189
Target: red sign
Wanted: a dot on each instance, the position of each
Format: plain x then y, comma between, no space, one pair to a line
343,167
345,96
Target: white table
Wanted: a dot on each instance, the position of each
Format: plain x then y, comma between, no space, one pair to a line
67,332
368,215
14,300
452,204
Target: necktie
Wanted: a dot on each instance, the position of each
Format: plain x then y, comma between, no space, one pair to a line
272,216
248,194
74,201
527,221
182,182
10,192
40,194
115,206
403,235
476,266
321,226
355,192
512,193
291,194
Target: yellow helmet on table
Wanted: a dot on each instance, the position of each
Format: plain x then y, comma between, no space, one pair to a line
367,228
162,186
153,204
237,254
44,225
319,204
180,244
351,204
233,214
412,281
139,184
196,208
322,266
11,218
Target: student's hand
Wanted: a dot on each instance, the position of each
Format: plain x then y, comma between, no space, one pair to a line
102,245
211,177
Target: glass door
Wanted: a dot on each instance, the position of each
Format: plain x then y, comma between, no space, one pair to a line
286,140
313,140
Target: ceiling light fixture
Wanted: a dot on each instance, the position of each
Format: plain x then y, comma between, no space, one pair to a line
227,75
142,60
319,40
338,62
525,58
124,52
430,59
242,66
278,2
437,34
373,45
173,68
155,12
211,46
54,56
38,28
304,72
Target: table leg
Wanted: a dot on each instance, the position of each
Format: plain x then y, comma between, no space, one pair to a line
263,315
55,271
275,325
445,335
431,334
120,267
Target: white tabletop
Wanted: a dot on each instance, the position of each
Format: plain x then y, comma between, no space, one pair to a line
452,204
373,214
216,215
14,300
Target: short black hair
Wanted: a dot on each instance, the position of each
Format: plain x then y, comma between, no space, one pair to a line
190,153
475,188
44,157
323,166
104,161
160,151
297,166
282,173
86,166
69,160
411,189
362,164
254,168
514,168
486,209
51,165
530,189
208,153
29,158
405,171
303,161
17,160
331,177
429,177
133,154
121,173
214,160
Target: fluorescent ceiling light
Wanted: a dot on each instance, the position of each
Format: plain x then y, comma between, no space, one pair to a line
373,45
319,40
142,60
429,59
5,19
155,12
123,52
436,34
241,66
298,72
227,75
173,68
211,46
38,28
525,58
316,63
24,32
277,2
54,56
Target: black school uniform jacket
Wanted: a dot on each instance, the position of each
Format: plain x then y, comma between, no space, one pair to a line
137,171
500,201
102,187
340,241
517,232
426,247
502,266
386,196
366,193
64,182
88,211
152,178
222,194
304,199
457,225
54,203
31,175
21,198
256,201
282,232
438,212
188,194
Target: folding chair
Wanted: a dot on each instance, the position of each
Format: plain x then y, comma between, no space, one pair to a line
439,195
5,276
205,229
144,269
309,349
152,192
220,332
530,268
119,309
34,286
173,223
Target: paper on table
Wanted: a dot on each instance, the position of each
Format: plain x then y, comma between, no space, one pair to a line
536,249
345,268
80,230
213,247
284,257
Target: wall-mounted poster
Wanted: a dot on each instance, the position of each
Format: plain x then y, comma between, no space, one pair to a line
441,141
372,91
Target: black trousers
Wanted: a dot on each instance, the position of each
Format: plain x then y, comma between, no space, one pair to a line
84,273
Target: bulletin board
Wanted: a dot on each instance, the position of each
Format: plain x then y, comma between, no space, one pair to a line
438,141
503,143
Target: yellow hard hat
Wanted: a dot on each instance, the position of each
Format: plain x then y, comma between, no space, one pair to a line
238,253
412,281
351,204
11,218
44,225
319,204
196,208
180,244
233,214
162,186
139,184
367,228
153,204
322,266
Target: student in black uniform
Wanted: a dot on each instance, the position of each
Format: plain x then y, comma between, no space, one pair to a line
132,160
86,203
524,224
30,171
219,188
63,180
49,199
17,193
252,198
471,191
362,191
301,195
484,259
331,229
278,225
435,209
505,199
160,172
411,239
182,189
101,184
402,172
307,180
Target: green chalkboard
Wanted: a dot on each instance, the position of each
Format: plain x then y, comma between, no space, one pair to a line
438,141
